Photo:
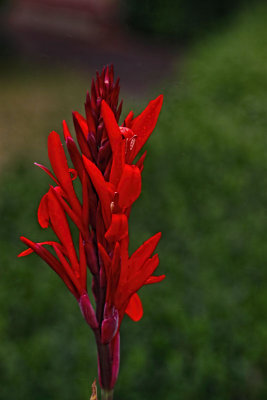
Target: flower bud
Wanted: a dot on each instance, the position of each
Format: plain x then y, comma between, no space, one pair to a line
88,311
110,324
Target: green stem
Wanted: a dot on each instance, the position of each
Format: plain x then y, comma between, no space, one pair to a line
106,394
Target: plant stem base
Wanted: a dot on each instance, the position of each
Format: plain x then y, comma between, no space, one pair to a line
106,394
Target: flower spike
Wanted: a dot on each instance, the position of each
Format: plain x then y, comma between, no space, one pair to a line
110,182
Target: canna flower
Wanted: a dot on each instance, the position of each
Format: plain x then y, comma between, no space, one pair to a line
104,163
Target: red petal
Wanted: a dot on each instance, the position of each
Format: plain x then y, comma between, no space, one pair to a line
141,255
111,125
59,195
66,130
81,134
25,252
82,123
134,308
75,156
101,189
124,244
61,227
47,171
42,213
118,162
114,275
116,142
89,115
49,243
85,206
118,228
106,261
74,276
154,279
60,167
83,264
53,263
136,281
128,119
144,124
130,186
140,162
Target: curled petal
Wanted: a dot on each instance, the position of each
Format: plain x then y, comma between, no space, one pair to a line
73,173
75,156
49,173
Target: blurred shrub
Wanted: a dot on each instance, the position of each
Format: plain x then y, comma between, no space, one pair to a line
178,19
204,333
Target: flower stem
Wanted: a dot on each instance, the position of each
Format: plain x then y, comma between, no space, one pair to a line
106,394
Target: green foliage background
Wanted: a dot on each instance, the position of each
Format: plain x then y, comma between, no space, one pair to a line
179,19
204,332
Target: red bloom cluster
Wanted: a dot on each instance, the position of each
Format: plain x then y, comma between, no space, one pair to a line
111,182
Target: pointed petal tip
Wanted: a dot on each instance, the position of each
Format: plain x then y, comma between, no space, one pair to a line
104,105
52,134
154,279
25,253
159,234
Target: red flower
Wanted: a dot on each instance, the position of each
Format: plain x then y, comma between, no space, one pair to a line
110,182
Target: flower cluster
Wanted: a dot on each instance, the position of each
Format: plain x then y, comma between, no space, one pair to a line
104,163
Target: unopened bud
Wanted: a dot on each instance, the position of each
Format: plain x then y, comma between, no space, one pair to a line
87,311
110,324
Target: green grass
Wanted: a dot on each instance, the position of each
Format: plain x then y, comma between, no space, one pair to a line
204,332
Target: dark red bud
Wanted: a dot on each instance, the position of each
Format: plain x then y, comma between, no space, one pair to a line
88,311
110,324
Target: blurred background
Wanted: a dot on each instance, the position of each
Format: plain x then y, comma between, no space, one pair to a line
204,331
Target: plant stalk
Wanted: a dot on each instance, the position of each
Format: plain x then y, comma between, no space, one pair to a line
106,394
